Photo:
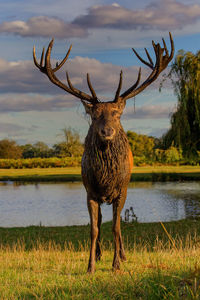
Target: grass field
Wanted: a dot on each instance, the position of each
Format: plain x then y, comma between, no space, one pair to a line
150,173
51,263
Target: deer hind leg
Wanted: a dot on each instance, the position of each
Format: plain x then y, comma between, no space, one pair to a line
93,208
98,242
119,249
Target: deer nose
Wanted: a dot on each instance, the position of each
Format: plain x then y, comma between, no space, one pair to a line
107,131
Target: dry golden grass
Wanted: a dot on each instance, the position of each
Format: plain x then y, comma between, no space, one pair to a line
53,272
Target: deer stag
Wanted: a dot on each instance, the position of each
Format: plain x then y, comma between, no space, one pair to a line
107,160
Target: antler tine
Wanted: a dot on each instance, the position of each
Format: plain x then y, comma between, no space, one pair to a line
155,46
50,72
48,56
35,59
42,57
172,46
149,57
119,87
162,60
141,59
133,87
78,93
165,47
91,88
64,60
69,82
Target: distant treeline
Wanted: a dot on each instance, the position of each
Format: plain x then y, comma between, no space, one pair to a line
150,150
146,151
71,146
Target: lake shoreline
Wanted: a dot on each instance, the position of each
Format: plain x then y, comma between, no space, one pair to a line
149,173
77,234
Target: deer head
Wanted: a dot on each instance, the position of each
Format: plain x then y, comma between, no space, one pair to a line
105,118
106,115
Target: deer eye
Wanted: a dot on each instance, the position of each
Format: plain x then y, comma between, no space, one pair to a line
96,116
114,113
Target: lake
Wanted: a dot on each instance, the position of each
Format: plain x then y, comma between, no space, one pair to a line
60,204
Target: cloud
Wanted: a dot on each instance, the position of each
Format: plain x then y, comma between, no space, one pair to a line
35,102
10,128
44,27
148,112
24,77
24,88
158,15
13,130
162,15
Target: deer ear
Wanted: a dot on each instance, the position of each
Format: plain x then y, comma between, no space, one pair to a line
88,107
121,105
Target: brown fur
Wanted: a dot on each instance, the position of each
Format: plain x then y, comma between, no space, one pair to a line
106,167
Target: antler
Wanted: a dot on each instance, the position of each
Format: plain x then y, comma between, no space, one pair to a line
45,67
161,63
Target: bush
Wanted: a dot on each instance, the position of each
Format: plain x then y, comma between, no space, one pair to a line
31,163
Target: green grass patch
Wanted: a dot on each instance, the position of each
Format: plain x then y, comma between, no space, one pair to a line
159,173
51,263
41,174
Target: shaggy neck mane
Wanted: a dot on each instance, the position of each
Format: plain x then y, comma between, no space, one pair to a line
106,155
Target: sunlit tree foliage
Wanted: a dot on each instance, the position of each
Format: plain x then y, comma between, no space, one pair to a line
10,149
71,146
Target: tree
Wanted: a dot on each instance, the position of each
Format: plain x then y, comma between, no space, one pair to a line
141,145
39,149
42,150
71,146
10,149
171,155
185,121
28,151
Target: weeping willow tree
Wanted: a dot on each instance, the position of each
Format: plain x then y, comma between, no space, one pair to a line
185,121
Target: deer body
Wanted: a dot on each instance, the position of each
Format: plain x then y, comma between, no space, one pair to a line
106,163
106,169
107,160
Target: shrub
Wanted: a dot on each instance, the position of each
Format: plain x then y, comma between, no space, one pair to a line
30,163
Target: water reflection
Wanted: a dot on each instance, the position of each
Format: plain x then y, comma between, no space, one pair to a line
59,204
190,195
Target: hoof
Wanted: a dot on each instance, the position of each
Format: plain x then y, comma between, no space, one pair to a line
90,270
116,266
115,269
98,252
123,257
98,256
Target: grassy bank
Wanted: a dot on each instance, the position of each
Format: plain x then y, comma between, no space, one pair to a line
51,263
150,173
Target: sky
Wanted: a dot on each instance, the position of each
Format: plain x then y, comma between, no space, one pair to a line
102,34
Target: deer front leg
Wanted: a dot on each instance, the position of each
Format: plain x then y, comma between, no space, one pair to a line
121,251
116,233
93,208
98,244
117,207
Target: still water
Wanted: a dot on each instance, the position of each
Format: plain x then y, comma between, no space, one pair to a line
59,204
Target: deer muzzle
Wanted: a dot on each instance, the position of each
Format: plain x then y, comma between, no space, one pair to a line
107,133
